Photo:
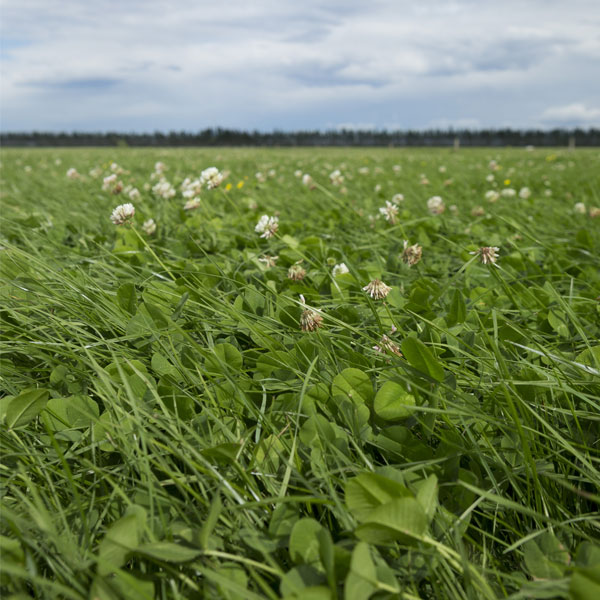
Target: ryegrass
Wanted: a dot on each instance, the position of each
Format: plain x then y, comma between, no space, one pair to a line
168,431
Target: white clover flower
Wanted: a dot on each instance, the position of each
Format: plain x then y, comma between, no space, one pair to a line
377,188
149,226
296,272
268,260
389,211
307,180
192,203
386,345
487,254
190,188
363,170
477,211
423,179
524,193
493,165
310,320
122,214
490,178
336,177
260,177
211,177
436,205
115,168
95,172
267,226
442,169
377,289
580,208
397,198
411,255
594,212
159,167
508,193
297,173
397,168
547,193
271,173
72,173
107,182
164,189
134,194
340,269
492,196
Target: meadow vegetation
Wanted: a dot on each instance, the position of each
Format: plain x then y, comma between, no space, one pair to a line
249,386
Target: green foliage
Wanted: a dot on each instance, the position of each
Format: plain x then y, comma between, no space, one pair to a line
168,430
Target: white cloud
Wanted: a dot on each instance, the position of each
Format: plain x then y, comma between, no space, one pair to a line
575,114
146,64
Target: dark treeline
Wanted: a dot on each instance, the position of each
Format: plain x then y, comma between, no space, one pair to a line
344,137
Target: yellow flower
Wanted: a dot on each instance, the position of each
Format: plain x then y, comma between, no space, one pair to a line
228,187
507,182
240,185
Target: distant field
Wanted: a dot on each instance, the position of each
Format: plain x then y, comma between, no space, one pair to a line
306,378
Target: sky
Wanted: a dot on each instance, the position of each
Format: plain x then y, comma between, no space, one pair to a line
146,65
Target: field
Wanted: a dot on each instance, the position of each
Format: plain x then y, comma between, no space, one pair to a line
218,404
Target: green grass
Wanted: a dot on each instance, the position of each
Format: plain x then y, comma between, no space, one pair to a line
169,431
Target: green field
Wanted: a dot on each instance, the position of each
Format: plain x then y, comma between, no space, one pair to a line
185,416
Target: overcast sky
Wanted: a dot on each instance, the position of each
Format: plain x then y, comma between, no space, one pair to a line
145,65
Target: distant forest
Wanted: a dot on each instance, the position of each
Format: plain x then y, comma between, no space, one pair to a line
344,137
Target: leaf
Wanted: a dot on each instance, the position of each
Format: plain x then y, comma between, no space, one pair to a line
368,491
427,495
401,520
127,297
545,557
168,552
74,412
162,366
122,537
353,384
225,356
420,357
393,402
26,406
361,581
304,543
458,309
585,584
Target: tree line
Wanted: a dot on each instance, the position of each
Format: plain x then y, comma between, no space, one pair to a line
344,137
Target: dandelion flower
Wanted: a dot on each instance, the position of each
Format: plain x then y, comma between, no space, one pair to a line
487,254
211,177
122,214
436,205
389,211
149,227
339,269
411,255
377,289
267,226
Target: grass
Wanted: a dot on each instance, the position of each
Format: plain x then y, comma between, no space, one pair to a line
169,431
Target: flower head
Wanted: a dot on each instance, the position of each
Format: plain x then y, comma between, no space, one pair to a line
122,214
580,208
492,196
594,212
267,226
211,177
411,255
192,204
487,254
397,198
377,289
72,173
436,205
339,269
296,272
389,211
336,177
524,193
268,260
387,346
149,227
310,320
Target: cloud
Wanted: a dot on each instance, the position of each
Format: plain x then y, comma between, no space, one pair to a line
575,114
148,64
